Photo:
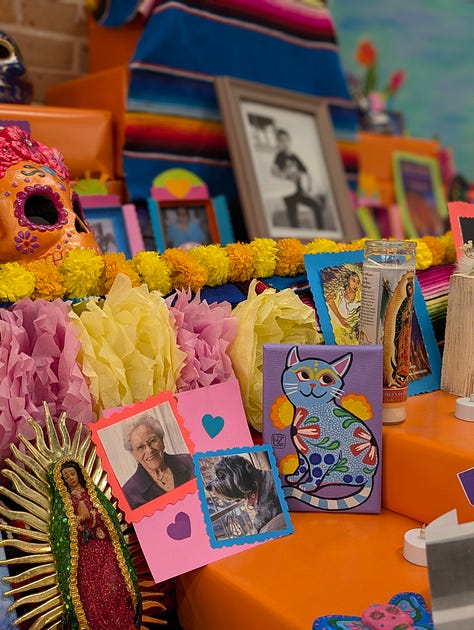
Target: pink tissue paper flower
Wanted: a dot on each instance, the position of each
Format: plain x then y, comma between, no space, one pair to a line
204,332
38,362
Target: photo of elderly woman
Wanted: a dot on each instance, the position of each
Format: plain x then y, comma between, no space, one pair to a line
157,471
148,454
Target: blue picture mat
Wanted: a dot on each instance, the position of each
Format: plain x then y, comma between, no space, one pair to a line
314,263
115,215
247,537
224,223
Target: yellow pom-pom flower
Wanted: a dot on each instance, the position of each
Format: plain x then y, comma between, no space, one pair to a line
437,247
48,280
215,260
424,257
241,261
450,248
290,257
352,247
186,272
321,246
16,282
115,263
154,271
82,271
265,257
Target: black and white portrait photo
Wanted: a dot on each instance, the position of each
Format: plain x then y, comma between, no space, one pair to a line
292,175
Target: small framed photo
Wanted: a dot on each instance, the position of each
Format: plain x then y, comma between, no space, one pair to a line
147,454
286,161
116,227
461,218
241,495
419,194
183,224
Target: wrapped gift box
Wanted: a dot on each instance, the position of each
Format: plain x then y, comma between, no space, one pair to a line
105,90
84,136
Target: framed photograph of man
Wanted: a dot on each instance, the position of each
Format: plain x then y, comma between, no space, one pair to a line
147,454
286,162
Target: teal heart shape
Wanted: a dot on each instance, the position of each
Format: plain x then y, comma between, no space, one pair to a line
213,425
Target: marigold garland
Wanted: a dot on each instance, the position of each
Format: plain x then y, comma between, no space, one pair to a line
49,283
82,273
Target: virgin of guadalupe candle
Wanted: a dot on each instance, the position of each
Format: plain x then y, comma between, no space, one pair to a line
388,283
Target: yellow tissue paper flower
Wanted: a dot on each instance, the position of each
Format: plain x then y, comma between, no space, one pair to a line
16,282
82,271
186,272
48,280
154,271
129,347
270,317
215,260
241,261
290,257
265,257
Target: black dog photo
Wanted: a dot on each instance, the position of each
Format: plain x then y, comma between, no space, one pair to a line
241,495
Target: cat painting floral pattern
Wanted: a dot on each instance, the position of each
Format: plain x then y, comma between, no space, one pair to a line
335,454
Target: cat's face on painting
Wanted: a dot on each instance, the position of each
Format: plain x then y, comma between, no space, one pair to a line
313,379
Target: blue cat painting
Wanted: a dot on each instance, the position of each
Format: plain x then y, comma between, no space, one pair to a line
337,453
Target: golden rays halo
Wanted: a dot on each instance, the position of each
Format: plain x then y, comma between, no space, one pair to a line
26,519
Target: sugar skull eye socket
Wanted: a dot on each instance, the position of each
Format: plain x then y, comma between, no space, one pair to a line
6,51
80,220
41,210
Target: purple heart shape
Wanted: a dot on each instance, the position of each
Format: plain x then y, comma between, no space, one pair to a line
181,528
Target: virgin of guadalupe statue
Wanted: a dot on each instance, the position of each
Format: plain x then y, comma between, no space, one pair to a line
95,570
83,568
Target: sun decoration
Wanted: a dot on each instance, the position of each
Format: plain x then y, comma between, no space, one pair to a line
43,533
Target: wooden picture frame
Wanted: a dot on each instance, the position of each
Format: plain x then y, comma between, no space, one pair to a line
419,193
258,121
116,226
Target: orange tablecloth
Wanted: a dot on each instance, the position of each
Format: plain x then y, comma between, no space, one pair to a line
342,563
422,456
333,563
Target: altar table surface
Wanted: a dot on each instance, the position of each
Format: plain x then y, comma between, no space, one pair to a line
342,563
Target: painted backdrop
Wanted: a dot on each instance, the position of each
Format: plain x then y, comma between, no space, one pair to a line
432,41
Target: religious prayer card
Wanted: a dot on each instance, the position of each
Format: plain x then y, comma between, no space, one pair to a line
322,415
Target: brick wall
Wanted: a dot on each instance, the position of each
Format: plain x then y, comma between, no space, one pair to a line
52,36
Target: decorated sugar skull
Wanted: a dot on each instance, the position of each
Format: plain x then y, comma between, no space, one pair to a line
40,215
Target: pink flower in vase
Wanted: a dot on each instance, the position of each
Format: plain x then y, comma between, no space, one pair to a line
376,102
396,81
